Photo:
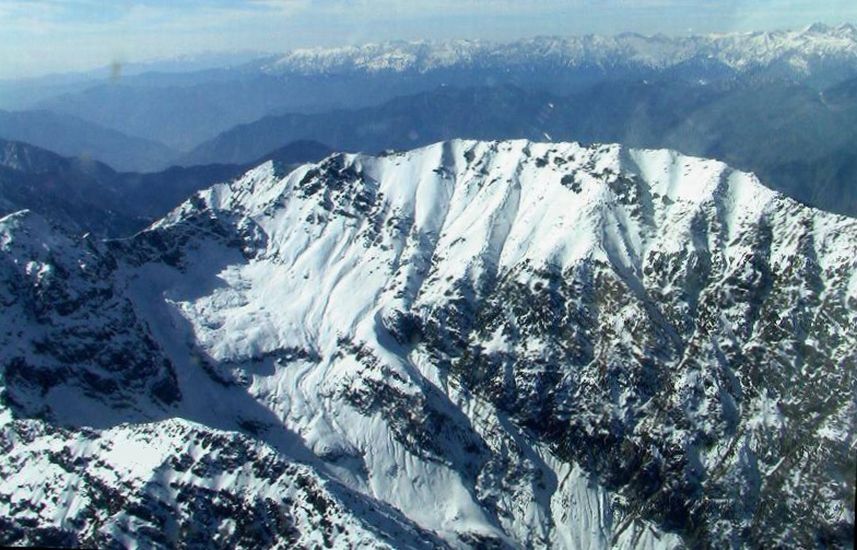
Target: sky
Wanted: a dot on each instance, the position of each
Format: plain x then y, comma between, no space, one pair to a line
47,36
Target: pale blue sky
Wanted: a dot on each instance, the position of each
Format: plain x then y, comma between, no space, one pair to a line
39,36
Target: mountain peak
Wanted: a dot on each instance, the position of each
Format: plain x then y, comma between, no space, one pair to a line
577,177
817,28
539,333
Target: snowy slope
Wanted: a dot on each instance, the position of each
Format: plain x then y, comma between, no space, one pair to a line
509,343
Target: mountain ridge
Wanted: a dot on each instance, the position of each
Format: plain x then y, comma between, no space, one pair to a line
92,197
507,343
766,129
73,136
183,110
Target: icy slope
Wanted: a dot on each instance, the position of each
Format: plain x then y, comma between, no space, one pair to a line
509,342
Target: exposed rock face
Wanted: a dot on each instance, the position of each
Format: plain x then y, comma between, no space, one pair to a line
68,328
471,344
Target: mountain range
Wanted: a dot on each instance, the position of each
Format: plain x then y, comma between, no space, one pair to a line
88,196
71,136
809,52
183,109
459,294
800,141
471,344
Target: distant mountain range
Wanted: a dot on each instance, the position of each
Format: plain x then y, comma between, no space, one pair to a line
182,110
75,137
179,116
87,195
803,142
782,104
816,52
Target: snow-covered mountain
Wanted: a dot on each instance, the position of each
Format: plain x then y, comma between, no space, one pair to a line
801,51
183,110
472,344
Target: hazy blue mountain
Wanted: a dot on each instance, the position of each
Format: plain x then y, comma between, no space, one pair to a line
789,135
25,93
178,115
74,192
841,94
90,196
298,151
74,137
183,109
488,113
35,160
769,128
